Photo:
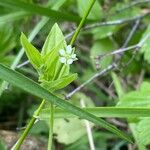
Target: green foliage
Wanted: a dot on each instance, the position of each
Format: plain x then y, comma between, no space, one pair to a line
146,47
139,126
32,53
30,86
101,47
118,86
35,9
136,98
64,127
53,75
95,13
2,145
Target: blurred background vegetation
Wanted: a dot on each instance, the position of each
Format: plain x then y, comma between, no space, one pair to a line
111,25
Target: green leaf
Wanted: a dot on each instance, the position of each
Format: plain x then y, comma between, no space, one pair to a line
59,83
65,128
55,39
96,11
140,126
32,87
2,145
143,131
140,98
6,38
54,69
32,53
102,47
145,50
117,84
105,112
13,16
35,9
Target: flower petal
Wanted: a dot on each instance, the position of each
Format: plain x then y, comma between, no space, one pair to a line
63,60
73,56
62,52
69,61
68,49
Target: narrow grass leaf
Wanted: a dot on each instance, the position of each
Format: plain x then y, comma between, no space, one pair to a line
36,9
32,87
108,112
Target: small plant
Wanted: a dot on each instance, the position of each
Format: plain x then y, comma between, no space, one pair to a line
108,44
52,65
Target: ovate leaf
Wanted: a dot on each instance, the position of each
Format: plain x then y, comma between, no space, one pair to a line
54,39
140,98
139,126
32,53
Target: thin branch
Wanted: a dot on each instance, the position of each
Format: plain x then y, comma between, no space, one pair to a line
99,74
23,64
116,22
118,51
109,92
108,23
133,4
110,67
132,32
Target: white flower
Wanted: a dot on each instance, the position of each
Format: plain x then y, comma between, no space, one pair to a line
67,55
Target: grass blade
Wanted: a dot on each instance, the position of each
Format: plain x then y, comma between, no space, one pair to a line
13,16
36,9
32,87
108,112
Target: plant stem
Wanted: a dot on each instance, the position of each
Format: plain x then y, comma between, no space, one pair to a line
82,22
29,126
51,127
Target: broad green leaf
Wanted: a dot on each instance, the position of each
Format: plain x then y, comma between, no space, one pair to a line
143,131
146,47
103,32
139,98
50,54
64,127
32,53
127,13
32,87
117,84
54,39
140,126
101,47
96,11
6,38
69,130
